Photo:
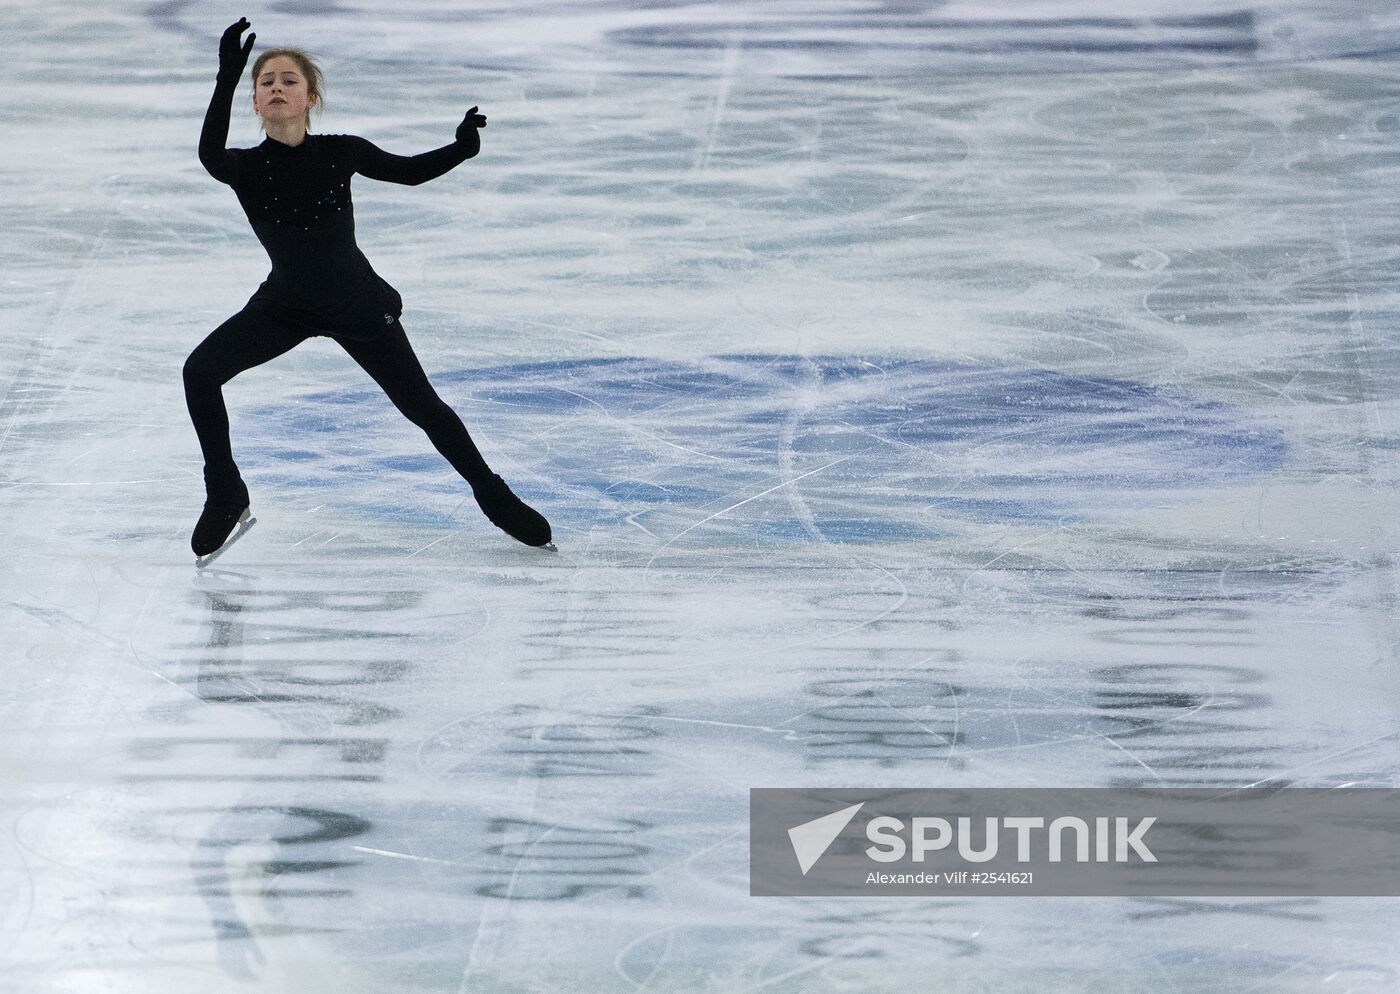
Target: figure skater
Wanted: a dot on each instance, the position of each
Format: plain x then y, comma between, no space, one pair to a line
295,189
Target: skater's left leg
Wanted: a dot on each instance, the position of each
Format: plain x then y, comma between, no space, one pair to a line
390,360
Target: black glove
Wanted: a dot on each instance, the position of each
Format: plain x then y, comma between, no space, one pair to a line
233,57
469,124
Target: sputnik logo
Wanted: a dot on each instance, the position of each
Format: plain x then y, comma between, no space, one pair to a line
813,838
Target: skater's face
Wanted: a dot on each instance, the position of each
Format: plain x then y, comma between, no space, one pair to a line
280,94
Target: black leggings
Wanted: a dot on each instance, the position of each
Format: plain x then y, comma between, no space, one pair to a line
254,335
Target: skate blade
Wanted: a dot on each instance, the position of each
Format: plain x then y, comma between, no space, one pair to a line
245,521
550,547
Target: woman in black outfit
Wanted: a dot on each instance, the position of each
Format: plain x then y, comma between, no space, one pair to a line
295,189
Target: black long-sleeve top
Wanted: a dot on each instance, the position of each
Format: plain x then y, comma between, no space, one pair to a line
297,199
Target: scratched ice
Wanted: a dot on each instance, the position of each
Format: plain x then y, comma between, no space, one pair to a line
924,394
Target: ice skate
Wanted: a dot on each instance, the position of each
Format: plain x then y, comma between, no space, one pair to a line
510,514
244,522
226,506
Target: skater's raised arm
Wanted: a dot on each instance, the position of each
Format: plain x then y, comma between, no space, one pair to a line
375,163
213,138
215,157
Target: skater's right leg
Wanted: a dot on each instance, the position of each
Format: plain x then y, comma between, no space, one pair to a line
249,338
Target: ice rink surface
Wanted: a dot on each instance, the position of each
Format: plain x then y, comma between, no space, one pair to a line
923,394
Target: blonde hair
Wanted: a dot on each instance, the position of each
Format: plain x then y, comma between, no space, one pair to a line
310,69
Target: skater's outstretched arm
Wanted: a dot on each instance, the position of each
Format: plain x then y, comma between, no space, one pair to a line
213,139
375,163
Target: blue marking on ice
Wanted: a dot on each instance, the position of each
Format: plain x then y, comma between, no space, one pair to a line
890,448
